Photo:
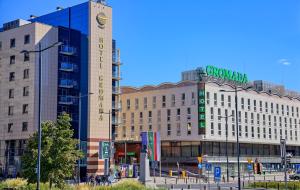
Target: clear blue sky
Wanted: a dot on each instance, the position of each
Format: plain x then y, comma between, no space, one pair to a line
161,38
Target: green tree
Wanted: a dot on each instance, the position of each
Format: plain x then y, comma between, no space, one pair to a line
58,156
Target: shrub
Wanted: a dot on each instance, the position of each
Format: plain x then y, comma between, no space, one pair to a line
17,183
291,185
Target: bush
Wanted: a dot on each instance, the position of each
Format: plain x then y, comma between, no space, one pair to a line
291,185
17,183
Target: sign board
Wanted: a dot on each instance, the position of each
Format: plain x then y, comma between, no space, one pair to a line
104,149
217,173
226,74
249,167
208,166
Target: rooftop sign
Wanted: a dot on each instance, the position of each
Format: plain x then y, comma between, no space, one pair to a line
226,74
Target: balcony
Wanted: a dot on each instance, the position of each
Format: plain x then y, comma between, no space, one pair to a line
116,90
67,83
67,50
66,66
67,100
114,121
116,105
116,75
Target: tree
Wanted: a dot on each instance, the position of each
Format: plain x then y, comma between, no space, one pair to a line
58,155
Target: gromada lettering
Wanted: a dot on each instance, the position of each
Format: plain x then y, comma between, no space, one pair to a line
226,74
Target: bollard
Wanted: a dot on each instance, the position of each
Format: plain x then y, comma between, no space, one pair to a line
219,188
172,186
264,178
186,180
230,188
189,186
154,180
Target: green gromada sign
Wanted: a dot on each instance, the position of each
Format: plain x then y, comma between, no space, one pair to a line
226,74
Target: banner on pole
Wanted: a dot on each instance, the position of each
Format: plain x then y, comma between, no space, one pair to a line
151,145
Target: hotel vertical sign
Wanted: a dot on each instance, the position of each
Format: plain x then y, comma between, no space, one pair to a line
201,108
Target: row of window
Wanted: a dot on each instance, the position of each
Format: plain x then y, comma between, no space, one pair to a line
12,75
257,105
246,133
12,58
13,41
163,102
24,109
258,117
141,115
10,127
11,92
133,131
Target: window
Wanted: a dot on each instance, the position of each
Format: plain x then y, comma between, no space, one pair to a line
249,107
128,104
158,116
150,116
233,130
246,131
9,127
252,131
12,60
193,98
150,127
212,113
240,116
272,109
242,103
258,119
277,109
212,128
275,121
168,115
12,76
297,111
10,110
169,129
26,56
215,99
246,117
141,127
258,132
24,126
287,110
124,118
264,132
240,130
189,128
229,101
27,39
145,103
173,100
219,114
252,118
188,110
164,101
141,117
25,108
233,115
26,74
178,115
11,93
266,107
222,99
26,91
219,129
178,131
260,106
12,43
282,109
207,97
132,118
264,119
136,103
183,99
292,111
154,102
275,134
132,130
0,45
254,105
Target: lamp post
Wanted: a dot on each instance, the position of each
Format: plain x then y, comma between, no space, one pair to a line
109,135
226,126
40,50
236,90
79,128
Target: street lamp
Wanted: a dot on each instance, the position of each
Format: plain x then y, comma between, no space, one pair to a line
236,90
79,128
40,50
109,134
226,126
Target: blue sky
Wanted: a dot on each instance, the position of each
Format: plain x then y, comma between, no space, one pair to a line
161,38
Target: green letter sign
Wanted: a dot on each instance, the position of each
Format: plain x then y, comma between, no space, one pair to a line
226,74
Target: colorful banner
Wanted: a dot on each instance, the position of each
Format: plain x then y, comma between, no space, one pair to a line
151,144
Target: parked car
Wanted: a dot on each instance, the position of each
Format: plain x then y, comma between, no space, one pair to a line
294,176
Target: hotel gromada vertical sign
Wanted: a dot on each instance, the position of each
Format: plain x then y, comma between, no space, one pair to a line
101,19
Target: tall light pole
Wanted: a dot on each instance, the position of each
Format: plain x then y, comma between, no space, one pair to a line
237,129
79,129
109,135
40,50
226,126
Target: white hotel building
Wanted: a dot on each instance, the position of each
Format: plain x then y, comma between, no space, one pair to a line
266,114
